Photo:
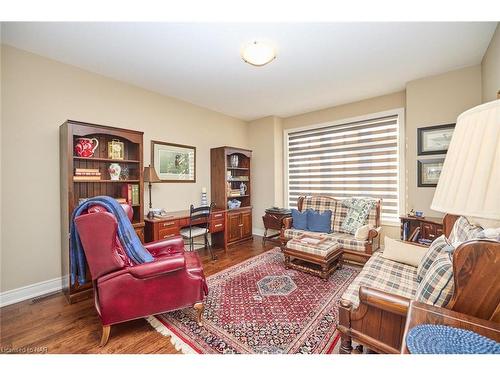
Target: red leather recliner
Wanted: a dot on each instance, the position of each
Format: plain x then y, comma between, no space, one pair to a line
127,291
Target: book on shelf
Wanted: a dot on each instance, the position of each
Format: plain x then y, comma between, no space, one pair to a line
414,235
86,178
87,173
131,193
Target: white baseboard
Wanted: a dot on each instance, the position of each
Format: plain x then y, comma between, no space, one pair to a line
30,291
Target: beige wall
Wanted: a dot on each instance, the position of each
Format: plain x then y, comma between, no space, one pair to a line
491,68
39,94
265,139
432,101
363,107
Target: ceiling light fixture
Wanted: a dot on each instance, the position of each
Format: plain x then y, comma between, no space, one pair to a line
258,53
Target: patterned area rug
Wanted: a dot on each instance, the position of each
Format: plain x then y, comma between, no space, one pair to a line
260,307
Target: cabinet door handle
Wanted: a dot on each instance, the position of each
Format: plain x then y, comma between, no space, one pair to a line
217,225
218,215
169,224
240,225
169,235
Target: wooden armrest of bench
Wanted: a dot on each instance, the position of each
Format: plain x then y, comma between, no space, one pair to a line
385,301
373,233
287,223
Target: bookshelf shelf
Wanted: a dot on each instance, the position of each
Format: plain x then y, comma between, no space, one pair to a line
73,191
106,160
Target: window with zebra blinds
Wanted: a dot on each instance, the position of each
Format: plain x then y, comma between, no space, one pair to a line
352,159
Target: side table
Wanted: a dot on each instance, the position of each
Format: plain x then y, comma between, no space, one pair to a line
273,219
421,313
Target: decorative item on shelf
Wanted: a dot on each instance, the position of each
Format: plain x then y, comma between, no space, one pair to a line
243,189
229,176
235,161
204,200
235,193
150,177
125,174
114,171
233,203
173,162
116,150
85,147
419,214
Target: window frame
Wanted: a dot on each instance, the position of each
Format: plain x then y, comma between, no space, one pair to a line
402,146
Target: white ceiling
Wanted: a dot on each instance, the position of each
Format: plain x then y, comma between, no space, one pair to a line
318,64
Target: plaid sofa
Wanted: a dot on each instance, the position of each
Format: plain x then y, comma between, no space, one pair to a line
384,274
354,249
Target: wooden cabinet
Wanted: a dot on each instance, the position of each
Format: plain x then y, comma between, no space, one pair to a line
76,186
239,225
231,181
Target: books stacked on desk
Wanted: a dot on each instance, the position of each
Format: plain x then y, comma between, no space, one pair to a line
86,174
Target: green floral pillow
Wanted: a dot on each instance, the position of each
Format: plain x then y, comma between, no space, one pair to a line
359,209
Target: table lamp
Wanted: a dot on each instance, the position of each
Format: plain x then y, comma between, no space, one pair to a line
469,184
150,176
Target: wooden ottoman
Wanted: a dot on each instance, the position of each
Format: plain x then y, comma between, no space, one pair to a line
319,259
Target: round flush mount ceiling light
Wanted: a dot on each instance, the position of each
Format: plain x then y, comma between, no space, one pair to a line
258,53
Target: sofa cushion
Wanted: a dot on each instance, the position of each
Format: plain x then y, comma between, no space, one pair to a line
436,248
386,275
347,241
320,203
319,221
463,231
299,219
403,252
436,288
341,213
357,213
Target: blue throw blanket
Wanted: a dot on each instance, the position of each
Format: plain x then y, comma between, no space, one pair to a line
126,233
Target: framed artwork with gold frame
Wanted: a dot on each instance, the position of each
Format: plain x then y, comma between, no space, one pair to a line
173,162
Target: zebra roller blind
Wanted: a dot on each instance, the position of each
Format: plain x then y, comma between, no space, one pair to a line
359,159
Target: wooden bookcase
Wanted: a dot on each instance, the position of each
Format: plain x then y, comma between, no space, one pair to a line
72,191
238,220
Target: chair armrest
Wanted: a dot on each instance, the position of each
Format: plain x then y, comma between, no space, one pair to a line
385,301
287,223
174,245
159,267
373,233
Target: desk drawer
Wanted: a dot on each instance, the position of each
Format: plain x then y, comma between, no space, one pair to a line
167,233
217,226
168,224
217,215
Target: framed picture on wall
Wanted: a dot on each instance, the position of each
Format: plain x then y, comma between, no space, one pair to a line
429,171
174,162
433,140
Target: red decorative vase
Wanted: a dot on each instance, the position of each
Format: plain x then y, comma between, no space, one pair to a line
85,147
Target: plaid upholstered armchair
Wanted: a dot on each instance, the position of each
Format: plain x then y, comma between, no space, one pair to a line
358,250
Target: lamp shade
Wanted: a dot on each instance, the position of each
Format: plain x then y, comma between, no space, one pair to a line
150,174
469,184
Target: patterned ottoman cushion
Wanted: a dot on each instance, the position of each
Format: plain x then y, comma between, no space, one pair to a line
384,274
346,241
322,249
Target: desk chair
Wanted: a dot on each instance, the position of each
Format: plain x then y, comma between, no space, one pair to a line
199,224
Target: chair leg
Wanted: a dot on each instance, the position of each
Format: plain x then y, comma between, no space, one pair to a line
105,335
212,254
199,307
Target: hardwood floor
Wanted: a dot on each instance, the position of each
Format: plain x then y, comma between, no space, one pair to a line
53,326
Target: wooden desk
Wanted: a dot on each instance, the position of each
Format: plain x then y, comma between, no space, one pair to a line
170,225
420,313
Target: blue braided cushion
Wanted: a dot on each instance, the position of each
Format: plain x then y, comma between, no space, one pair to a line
439,339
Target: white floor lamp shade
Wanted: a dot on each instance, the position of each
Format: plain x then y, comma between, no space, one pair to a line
469,184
